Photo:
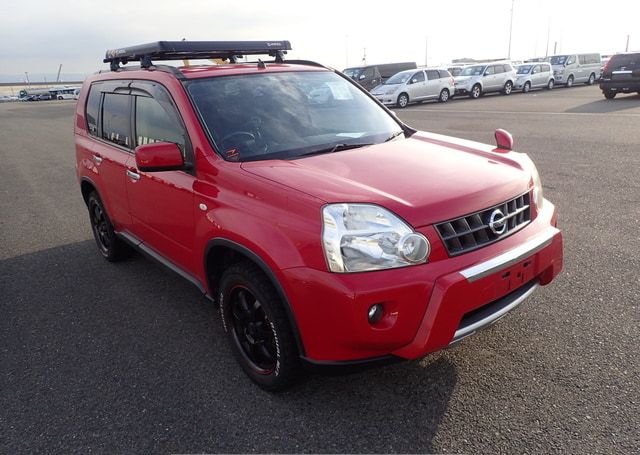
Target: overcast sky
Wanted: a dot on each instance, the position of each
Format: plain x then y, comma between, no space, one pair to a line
36,36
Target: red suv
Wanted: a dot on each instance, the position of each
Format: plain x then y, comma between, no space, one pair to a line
330,233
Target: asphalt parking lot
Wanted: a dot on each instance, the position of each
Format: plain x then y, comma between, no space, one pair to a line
98,357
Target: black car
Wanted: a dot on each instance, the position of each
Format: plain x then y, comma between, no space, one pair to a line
621,75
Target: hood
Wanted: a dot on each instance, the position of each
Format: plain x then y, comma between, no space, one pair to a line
462,79
384,88
424,179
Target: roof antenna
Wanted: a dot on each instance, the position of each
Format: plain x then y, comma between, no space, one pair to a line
261,64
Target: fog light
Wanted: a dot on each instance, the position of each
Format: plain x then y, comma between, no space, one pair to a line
375,313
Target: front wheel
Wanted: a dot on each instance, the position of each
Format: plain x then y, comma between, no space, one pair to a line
476,92
570,82
403,100
444,96
258,328
507,88
110,246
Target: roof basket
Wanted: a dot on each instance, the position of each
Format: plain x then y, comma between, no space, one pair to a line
181,50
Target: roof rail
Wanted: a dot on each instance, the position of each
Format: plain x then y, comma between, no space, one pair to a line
181,50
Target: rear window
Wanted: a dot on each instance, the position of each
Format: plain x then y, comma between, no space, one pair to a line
626,61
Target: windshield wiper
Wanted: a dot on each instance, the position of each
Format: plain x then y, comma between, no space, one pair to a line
335,148
393,136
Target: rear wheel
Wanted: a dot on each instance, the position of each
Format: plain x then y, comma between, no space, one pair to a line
403,100
527,87
592,79
608,94
110,246
507,88
550,84
476,91
570,81
444,96
258,328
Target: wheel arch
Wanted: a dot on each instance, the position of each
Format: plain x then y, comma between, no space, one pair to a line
87,186
221,252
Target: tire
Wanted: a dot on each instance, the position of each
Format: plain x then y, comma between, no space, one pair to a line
526,88
608,94
403,100
444,96
257,327
60,98
508,87
570,81
592,79
476,92
110,246
550,84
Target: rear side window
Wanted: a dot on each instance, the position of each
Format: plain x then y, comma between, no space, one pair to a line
93,107
116,124
155,124
432,75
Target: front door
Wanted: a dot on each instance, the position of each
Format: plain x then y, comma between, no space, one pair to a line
417,87
161,203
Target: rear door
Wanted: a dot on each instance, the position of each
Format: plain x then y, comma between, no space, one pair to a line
107,150
161,203
434,84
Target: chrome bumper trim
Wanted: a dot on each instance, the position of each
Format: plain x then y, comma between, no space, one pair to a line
492,318
509,258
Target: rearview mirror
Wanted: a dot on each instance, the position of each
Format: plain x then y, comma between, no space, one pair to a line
159,156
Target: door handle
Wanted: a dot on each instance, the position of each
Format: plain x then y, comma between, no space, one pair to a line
97,159
132,175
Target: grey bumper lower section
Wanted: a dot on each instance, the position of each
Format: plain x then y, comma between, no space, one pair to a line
491,313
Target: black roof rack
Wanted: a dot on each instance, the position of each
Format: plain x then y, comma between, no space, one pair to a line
180,50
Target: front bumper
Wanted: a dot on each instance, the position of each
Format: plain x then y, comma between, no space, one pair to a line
387,100
426,307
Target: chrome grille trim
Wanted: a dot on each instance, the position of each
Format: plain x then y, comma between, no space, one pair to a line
470,232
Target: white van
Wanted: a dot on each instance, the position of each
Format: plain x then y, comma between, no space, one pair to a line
569,69
415,86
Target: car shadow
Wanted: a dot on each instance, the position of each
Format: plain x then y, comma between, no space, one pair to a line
128,357
620,103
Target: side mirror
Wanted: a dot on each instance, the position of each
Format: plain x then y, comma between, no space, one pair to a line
361,76
504,141
159,156
413,81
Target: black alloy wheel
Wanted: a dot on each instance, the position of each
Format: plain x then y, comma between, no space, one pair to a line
258,327
110,246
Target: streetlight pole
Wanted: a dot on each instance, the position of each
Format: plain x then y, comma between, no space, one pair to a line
510,29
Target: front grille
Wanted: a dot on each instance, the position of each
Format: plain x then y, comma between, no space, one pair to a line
487,226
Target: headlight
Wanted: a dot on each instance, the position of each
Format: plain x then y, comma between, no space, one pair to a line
538,197
361,237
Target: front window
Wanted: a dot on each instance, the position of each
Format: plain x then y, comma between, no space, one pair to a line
473,71
287,115
352,72
559,59
524,69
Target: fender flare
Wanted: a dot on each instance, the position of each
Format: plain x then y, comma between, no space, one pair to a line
241,249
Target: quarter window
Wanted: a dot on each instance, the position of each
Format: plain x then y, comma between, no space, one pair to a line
116,119
155,124
444,74
93,107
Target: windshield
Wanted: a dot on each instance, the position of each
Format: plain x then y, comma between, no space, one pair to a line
558,59
253,117
399,78
473,71
352,72
524,69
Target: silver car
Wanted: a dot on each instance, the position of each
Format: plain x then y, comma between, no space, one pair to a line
534,75
413,86
476,80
